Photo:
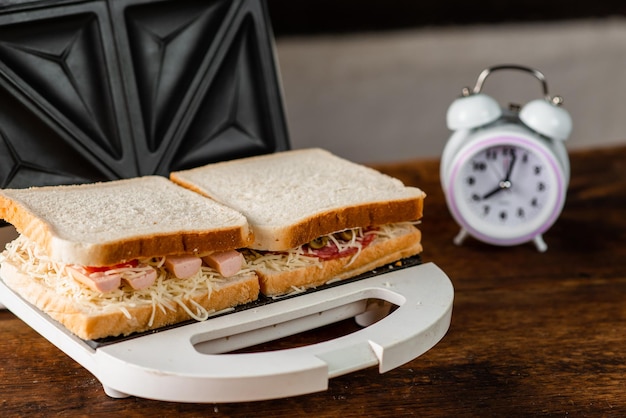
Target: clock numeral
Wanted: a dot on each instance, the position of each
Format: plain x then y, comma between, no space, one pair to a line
491,154
503,215
486,210
471,180
541,186
479,166
525,157
534,202
537,170
475,197
508,151
520,212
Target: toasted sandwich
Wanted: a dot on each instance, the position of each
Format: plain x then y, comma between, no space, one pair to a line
115,258
315,217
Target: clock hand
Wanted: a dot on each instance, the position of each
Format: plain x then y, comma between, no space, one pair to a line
491,193
507,178
504,184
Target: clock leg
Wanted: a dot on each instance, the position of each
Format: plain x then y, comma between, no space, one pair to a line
540,243
460,237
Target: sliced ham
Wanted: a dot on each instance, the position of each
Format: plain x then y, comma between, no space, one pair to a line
98,281
183,266
142,278
227,263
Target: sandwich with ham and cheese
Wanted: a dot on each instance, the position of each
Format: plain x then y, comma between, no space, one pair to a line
315,216
115,258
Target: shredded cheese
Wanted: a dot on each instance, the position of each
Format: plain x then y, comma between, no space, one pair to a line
280,261
165,294
295,290
303,256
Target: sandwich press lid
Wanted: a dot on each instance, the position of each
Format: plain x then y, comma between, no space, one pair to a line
101,90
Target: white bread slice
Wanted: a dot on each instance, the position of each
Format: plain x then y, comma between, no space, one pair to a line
106,223
378,254
95,322
292,197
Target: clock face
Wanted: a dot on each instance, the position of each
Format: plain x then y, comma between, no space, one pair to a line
507,190
506,185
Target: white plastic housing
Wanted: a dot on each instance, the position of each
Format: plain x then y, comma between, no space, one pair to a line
194,363
547,119
472,111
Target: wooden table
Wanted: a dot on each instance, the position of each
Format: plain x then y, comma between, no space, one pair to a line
532,333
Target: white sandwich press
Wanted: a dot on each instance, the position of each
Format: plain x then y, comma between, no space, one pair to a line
195,362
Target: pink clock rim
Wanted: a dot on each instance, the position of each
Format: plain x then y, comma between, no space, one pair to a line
466,153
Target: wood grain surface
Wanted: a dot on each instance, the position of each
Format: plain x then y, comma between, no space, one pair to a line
532,334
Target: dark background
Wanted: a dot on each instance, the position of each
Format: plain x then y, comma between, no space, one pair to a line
306,17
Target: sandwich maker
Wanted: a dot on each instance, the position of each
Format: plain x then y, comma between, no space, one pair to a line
101,90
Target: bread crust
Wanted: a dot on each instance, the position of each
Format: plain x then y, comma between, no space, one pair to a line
16,209
275,283
96,324
361,215
365,215
320,216
153,245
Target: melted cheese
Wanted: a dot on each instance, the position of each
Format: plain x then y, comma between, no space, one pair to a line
166,293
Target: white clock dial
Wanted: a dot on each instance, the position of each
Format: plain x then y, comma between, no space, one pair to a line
506,185
505,190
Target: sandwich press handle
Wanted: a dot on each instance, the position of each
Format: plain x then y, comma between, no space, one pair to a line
169,365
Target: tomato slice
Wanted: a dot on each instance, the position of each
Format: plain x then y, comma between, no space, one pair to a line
97,269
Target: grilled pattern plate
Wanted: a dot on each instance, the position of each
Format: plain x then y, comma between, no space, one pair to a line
95,90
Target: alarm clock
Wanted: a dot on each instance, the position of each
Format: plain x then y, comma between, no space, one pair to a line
505,171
